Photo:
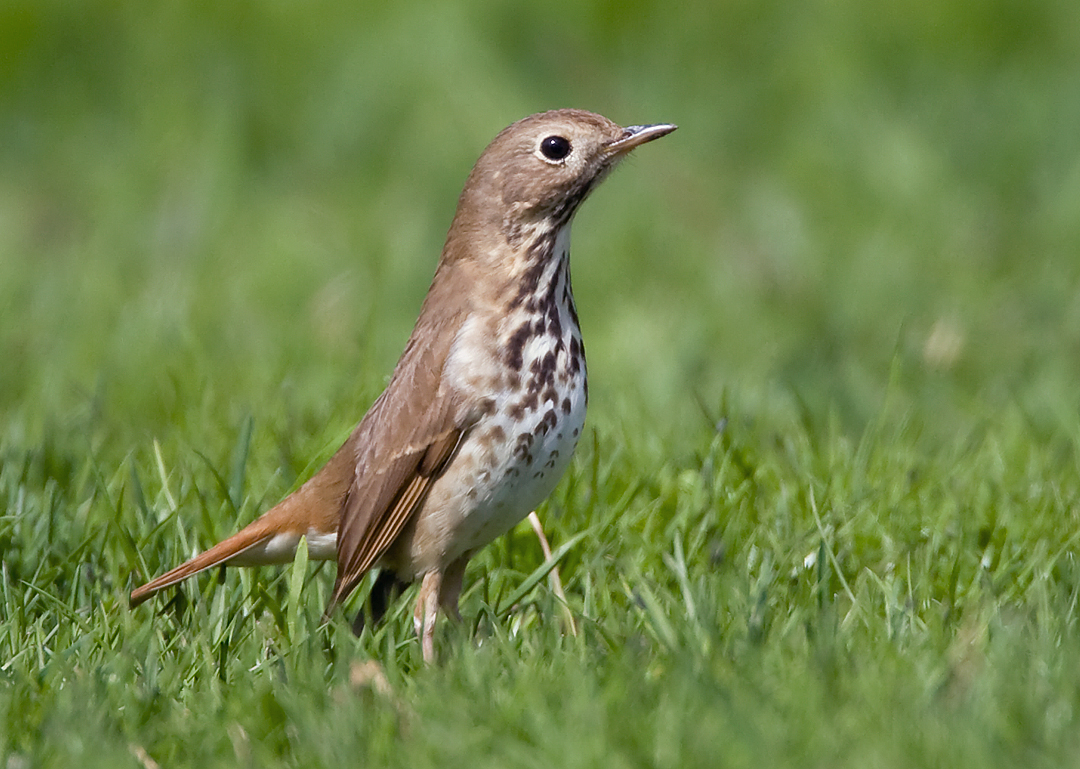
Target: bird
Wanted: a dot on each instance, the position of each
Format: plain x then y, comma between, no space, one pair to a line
486,403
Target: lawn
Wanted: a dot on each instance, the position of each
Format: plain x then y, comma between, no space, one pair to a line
827,507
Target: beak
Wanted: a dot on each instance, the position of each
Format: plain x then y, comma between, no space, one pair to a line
636,135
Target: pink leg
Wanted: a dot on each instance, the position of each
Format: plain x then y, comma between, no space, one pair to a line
556,581
427,606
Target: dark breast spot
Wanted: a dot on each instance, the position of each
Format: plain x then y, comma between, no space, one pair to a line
547,422
572,306
515,347
521,447
577,355
538,255
551,310
532,397
515,234
541,248
547,367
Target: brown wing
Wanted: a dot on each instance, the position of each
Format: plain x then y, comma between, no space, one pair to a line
381,502
404,441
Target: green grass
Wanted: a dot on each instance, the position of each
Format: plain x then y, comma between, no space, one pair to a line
830,490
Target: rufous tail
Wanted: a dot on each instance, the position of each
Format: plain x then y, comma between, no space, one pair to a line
311,510
255,534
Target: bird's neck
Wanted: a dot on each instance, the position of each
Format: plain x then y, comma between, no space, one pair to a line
541,281
520,320
486,273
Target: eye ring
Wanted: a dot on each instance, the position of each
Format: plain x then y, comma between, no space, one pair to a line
555,147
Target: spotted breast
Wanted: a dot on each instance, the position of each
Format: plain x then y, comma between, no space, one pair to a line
532,367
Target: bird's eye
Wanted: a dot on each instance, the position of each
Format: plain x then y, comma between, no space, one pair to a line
555,147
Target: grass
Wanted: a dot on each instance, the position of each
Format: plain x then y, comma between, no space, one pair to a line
829,491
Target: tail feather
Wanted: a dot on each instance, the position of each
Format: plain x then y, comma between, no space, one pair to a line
311,511
219,554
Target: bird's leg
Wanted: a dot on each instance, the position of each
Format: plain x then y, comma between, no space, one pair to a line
556,581
451,587
427,606
383,592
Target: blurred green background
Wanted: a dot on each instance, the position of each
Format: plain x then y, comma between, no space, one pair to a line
861,249
206,204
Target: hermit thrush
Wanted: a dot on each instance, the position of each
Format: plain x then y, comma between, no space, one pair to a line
486,403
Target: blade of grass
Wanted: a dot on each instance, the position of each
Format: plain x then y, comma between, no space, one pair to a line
160,462
239,463
539,573
296,589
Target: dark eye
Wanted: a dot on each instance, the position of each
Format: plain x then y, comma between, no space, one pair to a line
555,147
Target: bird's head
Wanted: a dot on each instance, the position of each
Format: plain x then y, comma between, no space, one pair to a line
538,171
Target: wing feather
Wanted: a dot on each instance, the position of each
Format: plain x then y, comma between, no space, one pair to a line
403,444
370,536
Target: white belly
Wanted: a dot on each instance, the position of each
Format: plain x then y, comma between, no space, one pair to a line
505,486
